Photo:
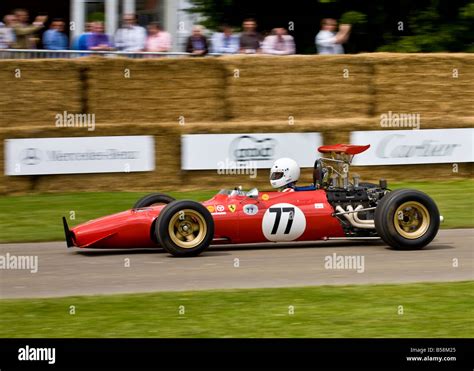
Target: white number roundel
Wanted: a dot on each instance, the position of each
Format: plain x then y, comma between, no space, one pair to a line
283,222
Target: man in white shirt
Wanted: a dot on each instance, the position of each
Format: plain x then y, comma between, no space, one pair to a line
328,41
225,42
130,37
279,43
7,35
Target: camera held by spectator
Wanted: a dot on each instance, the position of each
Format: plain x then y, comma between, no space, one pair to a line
328,41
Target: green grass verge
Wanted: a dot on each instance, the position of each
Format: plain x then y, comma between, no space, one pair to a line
34,218
37,217
429,310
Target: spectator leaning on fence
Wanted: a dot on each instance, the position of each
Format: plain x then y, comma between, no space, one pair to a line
197,42
278,43
250,39
7,35
25,33
80,42
225,42
328,41
130,37
54,38
158,40
98,40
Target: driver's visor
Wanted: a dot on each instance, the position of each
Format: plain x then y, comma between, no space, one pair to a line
276,175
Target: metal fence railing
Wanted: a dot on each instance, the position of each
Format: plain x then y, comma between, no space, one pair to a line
41,53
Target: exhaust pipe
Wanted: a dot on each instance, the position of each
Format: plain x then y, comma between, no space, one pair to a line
350,217
355,215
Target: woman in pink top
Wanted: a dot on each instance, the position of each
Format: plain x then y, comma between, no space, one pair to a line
158,40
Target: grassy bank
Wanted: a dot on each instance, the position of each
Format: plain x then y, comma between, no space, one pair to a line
429,310
38,217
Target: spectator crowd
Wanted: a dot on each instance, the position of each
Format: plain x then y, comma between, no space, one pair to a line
17,33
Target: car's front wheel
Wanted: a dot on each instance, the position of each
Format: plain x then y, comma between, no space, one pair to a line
407,219
184,228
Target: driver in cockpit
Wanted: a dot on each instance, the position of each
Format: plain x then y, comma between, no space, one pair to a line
284,174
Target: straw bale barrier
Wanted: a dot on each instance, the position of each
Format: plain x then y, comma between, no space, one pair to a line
169,176
34,91
156,90
273,88
167,160
206,92
428,84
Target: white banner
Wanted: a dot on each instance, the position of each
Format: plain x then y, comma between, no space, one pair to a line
79,155
227,151
400,147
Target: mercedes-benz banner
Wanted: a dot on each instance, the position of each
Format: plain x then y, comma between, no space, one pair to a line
225,151
113,154
400,147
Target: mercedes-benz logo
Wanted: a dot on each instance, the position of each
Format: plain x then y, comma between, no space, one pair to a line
31,156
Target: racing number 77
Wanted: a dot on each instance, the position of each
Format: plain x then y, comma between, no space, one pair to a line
279,211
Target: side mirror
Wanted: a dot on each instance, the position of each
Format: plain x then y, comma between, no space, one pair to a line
253,193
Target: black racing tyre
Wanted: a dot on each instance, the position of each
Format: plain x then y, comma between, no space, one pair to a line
184,228
153,199
407,219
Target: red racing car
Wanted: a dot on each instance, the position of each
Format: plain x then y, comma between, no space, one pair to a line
334,207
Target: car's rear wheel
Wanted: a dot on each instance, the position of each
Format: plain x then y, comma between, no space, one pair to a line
407,219
153,199
184,228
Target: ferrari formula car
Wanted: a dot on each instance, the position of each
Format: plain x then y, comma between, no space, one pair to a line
336,206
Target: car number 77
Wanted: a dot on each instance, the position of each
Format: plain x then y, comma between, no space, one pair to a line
279,211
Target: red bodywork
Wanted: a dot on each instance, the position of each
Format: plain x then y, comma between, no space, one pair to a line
305,216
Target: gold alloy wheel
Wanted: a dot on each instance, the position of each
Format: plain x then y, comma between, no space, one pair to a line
187,228
411,220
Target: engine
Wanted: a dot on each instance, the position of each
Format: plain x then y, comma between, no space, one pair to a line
354,202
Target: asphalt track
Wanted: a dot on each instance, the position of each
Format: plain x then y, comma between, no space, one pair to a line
71,272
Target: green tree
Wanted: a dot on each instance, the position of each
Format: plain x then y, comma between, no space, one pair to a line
433,33
378,25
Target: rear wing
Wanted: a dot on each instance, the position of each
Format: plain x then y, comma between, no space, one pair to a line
348,149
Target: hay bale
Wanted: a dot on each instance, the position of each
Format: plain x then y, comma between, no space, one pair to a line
167,162
157,90
10,184
268,90
44,89
334,131
168,174
424,84
272,88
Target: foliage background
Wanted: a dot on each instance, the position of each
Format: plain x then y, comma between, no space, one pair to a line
427,25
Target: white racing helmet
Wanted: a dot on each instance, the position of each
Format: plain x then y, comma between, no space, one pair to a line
284,171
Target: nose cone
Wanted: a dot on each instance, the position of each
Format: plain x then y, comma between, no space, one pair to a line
127,229
95,232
